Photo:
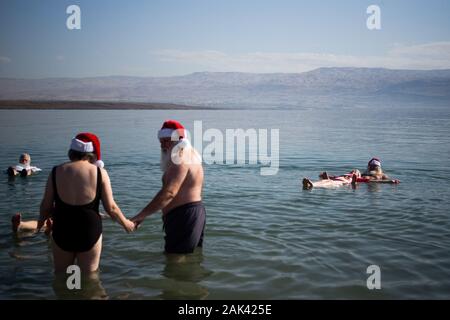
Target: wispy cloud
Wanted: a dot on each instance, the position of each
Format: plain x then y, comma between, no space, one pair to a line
424,56
4,59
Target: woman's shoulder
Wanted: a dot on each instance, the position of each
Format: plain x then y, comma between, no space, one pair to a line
76,167
63,165
103,172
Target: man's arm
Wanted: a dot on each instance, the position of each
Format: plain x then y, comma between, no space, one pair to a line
386,179
393,181
172,181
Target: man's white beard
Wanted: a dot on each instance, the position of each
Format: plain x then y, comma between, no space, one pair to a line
165,160
181,152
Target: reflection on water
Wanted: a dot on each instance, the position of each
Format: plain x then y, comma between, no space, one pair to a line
374,187
26,241
185,272
91,287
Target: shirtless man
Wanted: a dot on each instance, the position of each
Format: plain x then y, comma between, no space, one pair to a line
375,174
180,198
327,181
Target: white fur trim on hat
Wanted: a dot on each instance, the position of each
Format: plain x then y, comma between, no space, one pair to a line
81,146
167,133
100,163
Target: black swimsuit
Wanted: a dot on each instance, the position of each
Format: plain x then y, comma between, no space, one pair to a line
77,228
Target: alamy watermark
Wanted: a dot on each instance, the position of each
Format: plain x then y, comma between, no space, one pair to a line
243,147
374,280
374,20
73,21
74,280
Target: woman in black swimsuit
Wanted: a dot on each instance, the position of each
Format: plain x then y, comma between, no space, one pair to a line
72,196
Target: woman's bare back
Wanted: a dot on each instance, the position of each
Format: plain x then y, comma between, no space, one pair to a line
76,182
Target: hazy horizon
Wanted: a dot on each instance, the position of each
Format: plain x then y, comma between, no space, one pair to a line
225,72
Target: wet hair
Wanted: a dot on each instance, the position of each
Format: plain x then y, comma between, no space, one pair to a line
77,155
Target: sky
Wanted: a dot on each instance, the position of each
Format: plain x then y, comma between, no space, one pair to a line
174,37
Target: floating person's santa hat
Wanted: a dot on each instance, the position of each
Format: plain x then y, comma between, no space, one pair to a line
374,162
88,142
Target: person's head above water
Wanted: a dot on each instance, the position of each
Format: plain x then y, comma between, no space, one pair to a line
374,167
25,158
356,172
86,146
172,133
374,164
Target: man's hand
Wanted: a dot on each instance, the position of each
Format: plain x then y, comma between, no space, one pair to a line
137,219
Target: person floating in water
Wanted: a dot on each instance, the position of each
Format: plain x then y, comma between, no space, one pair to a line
373,174
18,225
180,198
327,181
23,168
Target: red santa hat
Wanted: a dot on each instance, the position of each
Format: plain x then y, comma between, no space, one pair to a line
88,142
172,129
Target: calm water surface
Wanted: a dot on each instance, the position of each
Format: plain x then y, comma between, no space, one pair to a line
265,237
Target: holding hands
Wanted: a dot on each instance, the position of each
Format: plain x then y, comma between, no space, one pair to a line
129,226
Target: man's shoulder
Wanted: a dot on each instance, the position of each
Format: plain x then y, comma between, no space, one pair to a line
174,169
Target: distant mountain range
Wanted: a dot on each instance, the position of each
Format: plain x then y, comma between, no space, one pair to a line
239,89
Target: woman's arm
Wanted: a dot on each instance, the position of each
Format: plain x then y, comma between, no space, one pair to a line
111,207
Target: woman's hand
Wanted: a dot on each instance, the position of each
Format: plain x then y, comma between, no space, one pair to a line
129,226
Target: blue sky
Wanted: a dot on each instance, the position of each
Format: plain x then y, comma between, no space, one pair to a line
174,37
